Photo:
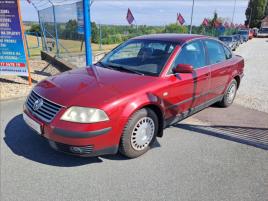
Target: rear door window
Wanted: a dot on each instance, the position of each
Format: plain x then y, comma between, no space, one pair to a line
216,53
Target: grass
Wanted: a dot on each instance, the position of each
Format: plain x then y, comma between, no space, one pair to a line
71,45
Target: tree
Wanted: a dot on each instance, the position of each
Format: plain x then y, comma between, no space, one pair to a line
94,33
214,20
255,12
35,28
175,28
266,9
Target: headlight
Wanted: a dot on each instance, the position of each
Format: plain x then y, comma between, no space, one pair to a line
84,115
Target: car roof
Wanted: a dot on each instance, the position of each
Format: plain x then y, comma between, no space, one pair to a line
167,37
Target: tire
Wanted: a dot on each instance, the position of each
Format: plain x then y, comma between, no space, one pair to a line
139,133
229,94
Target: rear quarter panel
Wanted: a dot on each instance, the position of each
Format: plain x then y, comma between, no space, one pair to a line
237,68
239,64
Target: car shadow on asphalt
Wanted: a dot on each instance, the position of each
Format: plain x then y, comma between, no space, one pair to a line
252,136
26,143
121,157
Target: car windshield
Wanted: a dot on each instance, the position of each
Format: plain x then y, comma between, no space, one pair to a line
236,37
264,30
226,39
139,56
243,32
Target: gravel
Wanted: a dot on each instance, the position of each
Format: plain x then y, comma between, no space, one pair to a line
16,86
253,92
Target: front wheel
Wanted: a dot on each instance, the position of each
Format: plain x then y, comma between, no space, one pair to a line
139,133
229,94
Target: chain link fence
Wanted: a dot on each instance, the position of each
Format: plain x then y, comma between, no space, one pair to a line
61,34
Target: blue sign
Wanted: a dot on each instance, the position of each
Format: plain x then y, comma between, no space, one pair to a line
80,17
13,60
221,29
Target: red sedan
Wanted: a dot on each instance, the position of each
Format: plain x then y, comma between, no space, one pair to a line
126,100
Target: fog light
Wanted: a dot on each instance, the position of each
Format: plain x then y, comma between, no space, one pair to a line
76,150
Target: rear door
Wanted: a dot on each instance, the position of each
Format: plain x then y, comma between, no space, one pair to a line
220,66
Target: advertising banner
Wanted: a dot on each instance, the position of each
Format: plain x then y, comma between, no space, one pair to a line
80,17
13,60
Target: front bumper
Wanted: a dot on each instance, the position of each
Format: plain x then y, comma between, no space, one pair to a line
262,35
83,151
78,139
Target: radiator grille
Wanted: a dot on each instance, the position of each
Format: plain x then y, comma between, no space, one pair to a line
45,111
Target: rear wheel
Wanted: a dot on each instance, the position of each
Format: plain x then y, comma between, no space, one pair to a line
139,133
229,95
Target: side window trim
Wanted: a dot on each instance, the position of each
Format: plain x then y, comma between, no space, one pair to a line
206,52
227,49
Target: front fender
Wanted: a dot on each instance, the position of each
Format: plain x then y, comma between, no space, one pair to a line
141,102
146,100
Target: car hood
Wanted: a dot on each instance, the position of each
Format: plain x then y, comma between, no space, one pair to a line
91,87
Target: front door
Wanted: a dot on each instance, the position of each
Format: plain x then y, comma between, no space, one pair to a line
187,90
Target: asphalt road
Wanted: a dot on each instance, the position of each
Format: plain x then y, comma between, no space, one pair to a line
191,162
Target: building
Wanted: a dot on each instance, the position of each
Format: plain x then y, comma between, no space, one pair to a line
264,22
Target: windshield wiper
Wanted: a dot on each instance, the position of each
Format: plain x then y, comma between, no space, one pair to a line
128,70
124,69
117,67
103,65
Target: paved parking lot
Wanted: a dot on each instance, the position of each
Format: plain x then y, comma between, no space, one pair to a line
218,154
187,164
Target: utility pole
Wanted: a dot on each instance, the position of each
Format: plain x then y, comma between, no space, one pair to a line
234,11
191,26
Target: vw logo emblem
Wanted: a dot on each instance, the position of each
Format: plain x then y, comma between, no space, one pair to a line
38,104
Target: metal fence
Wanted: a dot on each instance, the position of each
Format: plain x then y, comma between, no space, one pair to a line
60,31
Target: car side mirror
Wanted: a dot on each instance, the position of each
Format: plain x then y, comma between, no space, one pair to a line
183,68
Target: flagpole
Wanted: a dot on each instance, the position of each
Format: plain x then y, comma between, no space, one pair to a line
136,24
191,26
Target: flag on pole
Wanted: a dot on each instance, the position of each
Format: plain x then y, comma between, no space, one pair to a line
217,24
180,19
205,22
226,25
130,18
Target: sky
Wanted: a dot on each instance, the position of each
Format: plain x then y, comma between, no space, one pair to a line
150,12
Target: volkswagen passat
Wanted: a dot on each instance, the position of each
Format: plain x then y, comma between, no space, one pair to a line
126,100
